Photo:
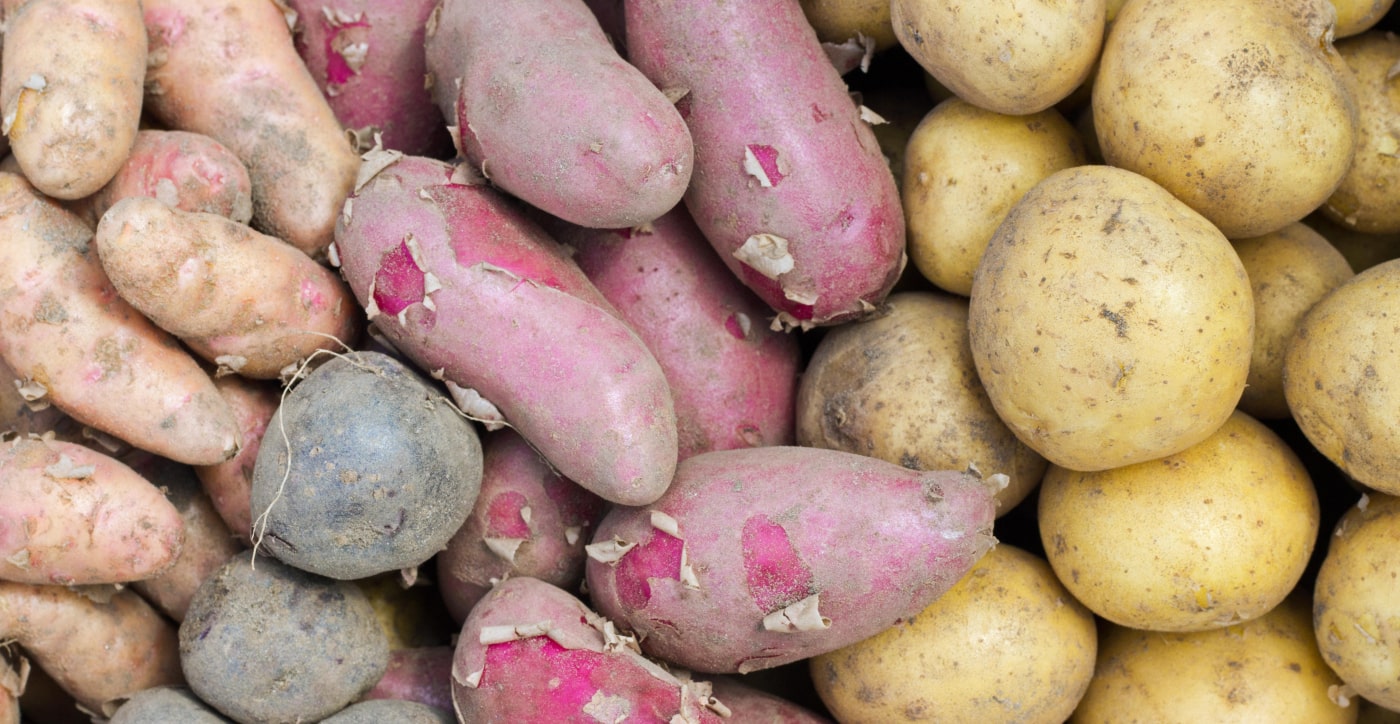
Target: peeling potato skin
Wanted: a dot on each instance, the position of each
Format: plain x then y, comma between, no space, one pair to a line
72,136
229,70
1365,200
1340,373
902,387
836,204
1266,670
1249,119
95,651
1080,314
1211,536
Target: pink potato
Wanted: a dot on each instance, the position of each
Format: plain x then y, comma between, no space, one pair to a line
748,704
240,299
422,674
549,111
228,69
790,185
229,484
532,652
73,516
186,171
760,557
733,380
528,521
460,281
71,339
367,58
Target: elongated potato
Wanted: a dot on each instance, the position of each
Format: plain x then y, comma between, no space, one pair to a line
228,69
241,299
65,331
71,90
187,171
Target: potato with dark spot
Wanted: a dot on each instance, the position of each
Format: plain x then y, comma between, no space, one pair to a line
265,642
365,468
165,704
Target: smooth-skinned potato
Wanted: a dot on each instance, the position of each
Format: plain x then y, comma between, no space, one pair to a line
1366,199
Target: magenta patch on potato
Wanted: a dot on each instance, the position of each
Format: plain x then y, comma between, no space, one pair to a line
399,283
773,570
506,516
660,558
573,667
345,48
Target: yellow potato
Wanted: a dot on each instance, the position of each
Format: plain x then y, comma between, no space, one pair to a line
1006,643
1358,16
1110,324
1367,199
1266,670
1206,538
1289,271
837,21
964,168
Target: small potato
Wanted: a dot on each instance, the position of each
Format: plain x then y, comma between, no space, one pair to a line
1110,323
837,21
1366,200
1341,377
1205,538
1354,601
1266,670
390,711
964,169
1289,271
1358,16
1006,643
165,704
422,674
1008,59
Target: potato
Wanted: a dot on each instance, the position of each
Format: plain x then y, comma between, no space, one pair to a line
1205,538
837,21
186,171
1362,251
902,387
389,711
747,703
165,704
1110,323
1289,271
1339,376
1244,112
230,483
270,643
365,468
1366,199
1005,643
422,674
964,169
1357,16
1354,603
1012,60
1265,670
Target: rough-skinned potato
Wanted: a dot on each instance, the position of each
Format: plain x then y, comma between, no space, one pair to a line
187,171
165,704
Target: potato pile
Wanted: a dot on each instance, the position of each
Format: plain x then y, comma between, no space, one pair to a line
441,360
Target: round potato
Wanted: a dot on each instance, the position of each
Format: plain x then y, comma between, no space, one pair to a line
1289,271
1012,60
964,168
1266,670
1367,200
1243,110
1341,377
1358,16
1110,324
837,21
902,387
1206,538
1006,643
1355,605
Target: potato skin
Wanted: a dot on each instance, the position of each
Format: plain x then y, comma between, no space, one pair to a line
1078,314
837,21
230,483
389,711
1357,16
187,171
165,703
422,674
1365,199
71,90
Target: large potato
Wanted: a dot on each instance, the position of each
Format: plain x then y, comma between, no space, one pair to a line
1240,109
1366,199
1110,324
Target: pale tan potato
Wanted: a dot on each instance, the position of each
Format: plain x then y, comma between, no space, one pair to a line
837,21
1206,538
964,168
1341,377
1357,16
902,387
1006,643
1289,271
1009,59
1110,324
1356,613
1367,199
1244,110
1266,670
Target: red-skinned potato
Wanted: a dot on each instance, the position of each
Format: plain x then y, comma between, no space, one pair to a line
229,484
422,674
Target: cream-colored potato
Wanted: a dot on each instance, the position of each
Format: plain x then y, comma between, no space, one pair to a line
964,168
1356,603
1267,670
1357,16
837,21
1289,271
1362,251
901,387
1110,324
1240,109
1005,644
1368,198
1211,536
1008,58
1341,377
